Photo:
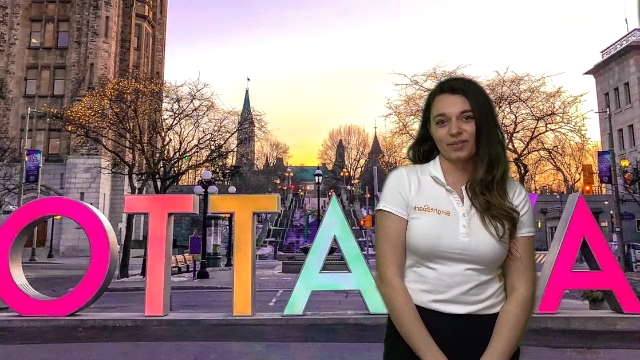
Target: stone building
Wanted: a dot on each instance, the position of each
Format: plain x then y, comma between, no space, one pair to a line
617,80
51,53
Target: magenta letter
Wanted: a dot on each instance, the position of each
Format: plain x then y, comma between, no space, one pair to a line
577,223
16,291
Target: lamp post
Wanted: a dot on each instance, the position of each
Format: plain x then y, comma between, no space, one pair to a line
53,223
206,185
288,175
344,173
229,263
30,110
318,177
616,193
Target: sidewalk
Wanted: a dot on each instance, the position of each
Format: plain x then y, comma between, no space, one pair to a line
268,276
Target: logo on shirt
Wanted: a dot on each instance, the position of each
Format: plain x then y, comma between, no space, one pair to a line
429,209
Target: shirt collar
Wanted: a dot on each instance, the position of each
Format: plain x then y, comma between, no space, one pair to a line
435,171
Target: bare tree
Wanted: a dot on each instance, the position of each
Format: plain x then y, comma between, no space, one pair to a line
195,132
117,120
394,152
357,143
568,168
9,168
535,114
405,109
533,111
268,149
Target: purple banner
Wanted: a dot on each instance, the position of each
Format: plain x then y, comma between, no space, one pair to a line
604,167
32,166
195,245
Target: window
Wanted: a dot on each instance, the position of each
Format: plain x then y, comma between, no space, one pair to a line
632,136
61,180
627,94
31,82
137,37
63,34
620,139
54,143
35,36
616,95
607,102
58,81
81,196
107,26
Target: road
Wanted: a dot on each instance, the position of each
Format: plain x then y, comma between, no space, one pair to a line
258,351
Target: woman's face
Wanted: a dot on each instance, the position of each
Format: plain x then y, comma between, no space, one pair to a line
453,128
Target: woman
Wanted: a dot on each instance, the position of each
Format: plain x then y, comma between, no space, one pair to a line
447,228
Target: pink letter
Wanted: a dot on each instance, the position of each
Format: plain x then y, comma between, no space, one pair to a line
160,209
16,291
533,198
577,223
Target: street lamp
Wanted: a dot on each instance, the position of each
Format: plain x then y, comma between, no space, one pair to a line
53,223
616,193
318,177
229,263
344,173
206,185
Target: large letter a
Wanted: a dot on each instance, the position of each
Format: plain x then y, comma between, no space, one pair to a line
311,278
577,226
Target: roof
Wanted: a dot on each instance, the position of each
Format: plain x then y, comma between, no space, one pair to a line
305,173
617,50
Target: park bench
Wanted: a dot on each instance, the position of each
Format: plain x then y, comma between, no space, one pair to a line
183,263
179,264
188,258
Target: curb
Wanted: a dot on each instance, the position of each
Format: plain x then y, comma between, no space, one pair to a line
586,330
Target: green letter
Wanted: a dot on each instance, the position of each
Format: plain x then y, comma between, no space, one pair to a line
312,278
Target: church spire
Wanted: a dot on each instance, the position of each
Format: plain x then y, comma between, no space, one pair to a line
246,147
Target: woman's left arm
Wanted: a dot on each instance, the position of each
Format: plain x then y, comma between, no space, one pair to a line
520,277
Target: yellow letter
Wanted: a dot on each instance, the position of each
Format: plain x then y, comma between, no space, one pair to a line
243,208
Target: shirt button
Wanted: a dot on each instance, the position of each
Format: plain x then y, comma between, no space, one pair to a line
464,215
464,226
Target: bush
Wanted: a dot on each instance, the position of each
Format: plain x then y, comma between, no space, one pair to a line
592,296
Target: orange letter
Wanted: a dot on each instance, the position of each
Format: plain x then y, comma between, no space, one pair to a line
160,209
243,208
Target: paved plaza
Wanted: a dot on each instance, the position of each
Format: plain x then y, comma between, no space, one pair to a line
190,298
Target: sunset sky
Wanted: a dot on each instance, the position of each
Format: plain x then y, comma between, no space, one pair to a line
315,64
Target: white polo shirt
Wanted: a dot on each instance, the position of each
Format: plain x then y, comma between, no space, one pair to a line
452,262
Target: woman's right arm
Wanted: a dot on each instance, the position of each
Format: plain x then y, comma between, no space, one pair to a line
390,246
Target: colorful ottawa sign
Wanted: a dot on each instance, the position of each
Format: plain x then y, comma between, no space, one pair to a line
578,231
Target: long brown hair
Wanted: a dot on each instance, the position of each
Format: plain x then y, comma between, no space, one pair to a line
487,189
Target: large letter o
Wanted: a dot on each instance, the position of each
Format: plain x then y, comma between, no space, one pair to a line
16,291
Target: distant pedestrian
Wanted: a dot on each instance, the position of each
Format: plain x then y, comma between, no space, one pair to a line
448,228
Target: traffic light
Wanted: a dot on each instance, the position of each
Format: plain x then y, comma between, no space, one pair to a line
361,223
587,179
368,221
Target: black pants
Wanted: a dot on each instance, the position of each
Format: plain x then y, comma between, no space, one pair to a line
460,337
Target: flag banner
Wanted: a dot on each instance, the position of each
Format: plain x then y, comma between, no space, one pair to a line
604,167
32,166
